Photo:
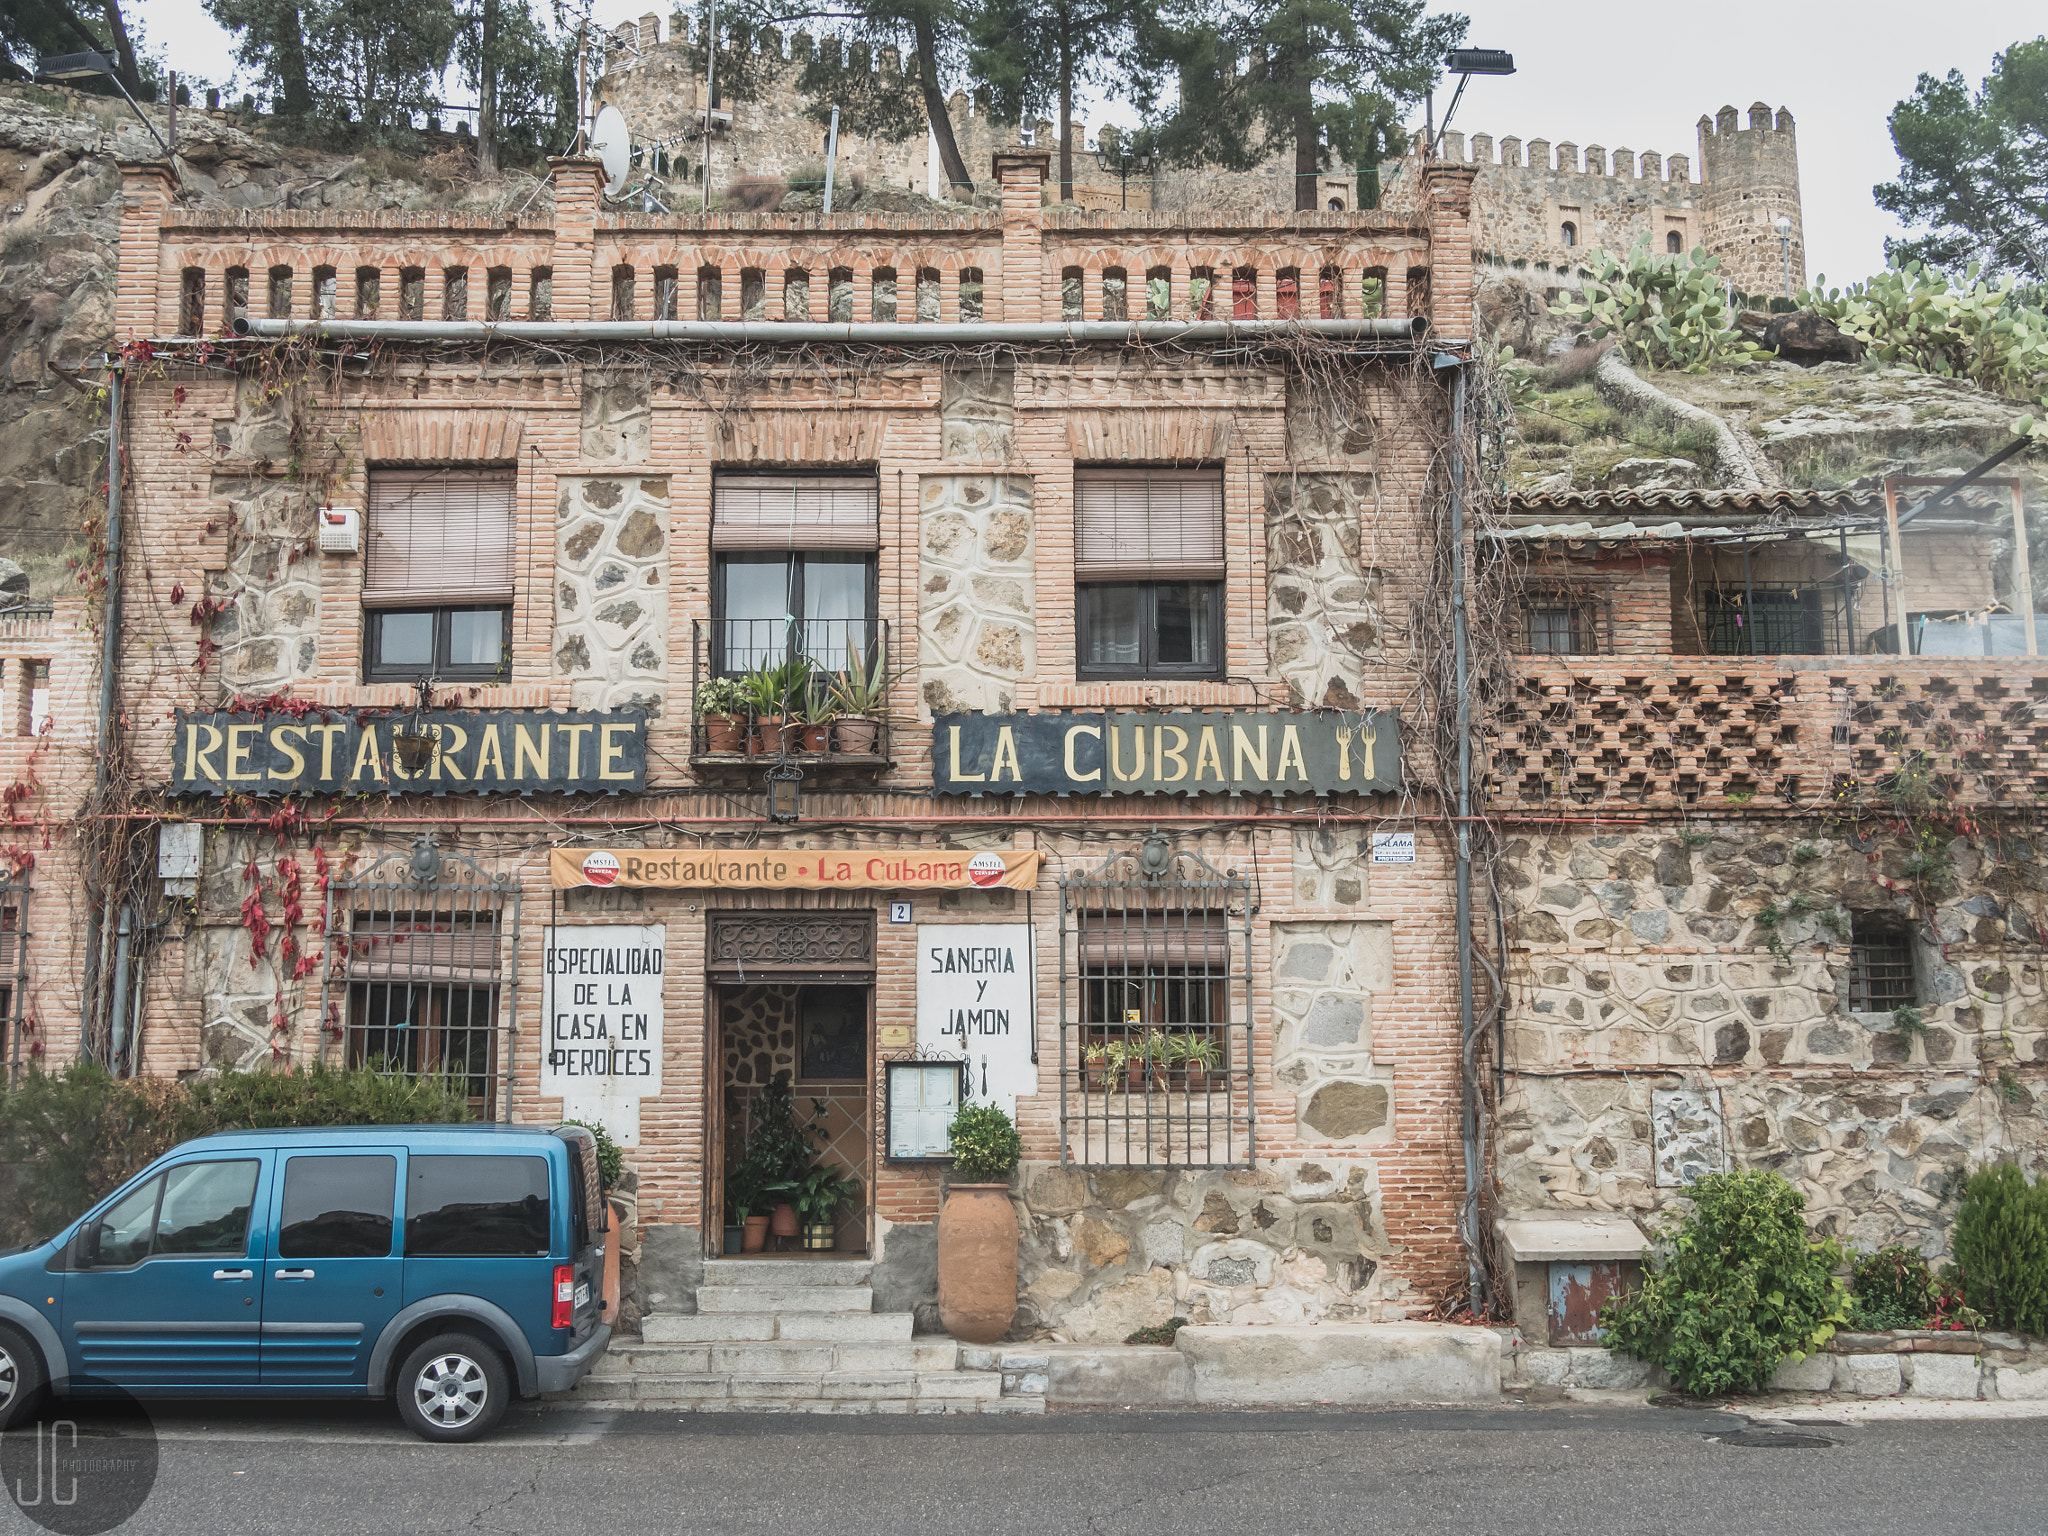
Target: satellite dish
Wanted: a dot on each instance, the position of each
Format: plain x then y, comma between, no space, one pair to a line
612,142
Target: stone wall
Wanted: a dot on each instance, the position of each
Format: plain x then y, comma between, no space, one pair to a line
1322,605
269,588
977,601
1679,1002
611,590
1106,1251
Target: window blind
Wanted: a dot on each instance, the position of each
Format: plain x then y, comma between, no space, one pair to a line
795,512
440,536
1148,525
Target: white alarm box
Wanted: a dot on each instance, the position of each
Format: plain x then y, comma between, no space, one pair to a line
340,530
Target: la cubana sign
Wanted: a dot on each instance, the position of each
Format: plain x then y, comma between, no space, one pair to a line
1151,752
346,752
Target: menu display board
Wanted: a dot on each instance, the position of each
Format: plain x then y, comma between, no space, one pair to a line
923,1099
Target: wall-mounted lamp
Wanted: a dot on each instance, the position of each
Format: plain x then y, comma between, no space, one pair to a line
785,792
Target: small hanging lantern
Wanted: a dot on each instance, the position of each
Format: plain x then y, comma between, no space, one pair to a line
785,792
412,744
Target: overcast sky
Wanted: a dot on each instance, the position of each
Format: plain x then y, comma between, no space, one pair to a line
1639,76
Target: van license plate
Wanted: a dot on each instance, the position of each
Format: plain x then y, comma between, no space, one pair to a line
582,1292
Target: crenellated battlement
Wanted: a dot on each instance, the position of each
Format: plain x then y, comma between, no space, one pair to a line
1621,163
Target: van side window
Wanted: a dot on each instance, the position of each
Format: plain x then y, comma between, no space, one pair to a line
476,1207
337,1207
201,1209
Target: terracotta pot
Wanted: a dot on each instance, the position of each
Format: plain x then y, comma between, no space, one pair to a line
784,1223
977,1262
1096,1072
817,738
1134,1076
722,733
767,738
820,1235
612,1235
857,734
755,1237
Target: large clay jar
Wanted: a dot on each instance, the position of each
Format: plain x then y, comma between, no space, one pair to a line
977,1262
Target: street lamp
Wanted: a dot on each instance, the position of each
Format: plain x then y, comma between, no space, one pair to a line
83,66
1464,63
1783,225
1121,160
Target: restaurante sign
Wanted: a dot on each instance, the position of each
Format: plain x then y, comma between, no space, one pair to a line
475,752
800,869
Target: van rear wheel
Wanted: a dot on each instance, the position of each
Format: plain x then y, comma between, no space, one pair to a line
452,1388
21,1377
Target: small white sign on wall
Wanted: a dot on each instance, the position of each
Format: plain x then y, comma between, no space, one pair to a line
974,999
602,1022
1393,847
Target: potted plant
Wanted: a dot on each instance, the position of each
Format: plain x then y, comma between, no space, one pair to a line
1096,1065
978,1228
818,1199
1197,1057
773,695
777,1158
1144,1056
723,710
746,1205
817,725
860,694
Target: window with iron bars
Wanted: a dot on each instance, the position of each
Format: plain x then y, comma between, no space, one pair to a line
1881,975
416,986
1155,1047
1564,623
13,974
1774,619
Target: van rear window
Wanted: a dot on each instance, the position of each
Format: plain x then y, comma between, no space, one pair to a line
476,1207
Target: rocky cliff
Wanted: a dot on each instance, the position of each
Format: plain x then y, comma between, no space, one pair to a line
59,228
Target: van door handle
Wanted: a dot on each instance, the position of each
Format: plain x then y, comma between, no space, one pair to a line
294,1274
234,1274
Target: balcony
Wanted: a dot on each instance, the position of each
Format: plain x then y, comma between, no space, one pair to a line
798,717
1707,733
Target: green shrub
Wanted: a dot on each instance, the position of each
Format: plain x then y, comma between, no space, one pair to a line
611,1157
68,1137
2001,1247
1735,1290
986,1146
1892,1288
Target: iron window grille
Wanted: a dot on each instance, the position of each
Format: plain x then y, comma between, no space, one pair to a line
14,937
416,982
1564,622
1155,1009
1775,619
1881,974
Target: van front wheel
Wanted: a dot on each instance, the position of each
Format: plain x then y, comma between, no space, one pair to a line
21,1377
452,1388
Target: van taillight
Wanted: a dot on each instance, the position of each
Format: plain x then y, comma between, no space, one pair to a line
565,1296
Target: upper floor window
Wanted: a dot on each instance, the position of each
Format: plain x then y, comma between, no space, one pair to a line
437,577
1561,623
1569,234
1149,568
1674,243
794,576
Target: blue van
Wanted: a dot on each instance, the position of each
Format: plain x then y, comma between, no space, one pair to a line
449,1266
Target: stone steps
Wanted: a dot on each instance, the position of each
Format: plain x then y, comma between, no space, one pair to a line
780,1335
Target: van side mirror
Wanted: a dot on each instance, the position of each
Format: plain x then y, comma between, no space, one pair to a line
85,1248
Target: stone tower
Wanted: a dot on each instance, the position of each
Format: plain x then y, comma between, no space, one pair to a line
1749,178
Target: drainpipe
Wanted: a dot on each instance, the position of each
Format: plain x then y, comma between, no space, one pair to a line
117,1013
1468,1039
895,333
110,661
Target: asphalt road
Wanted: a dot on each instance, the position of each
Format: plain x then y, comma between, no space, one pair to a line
1460,1472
